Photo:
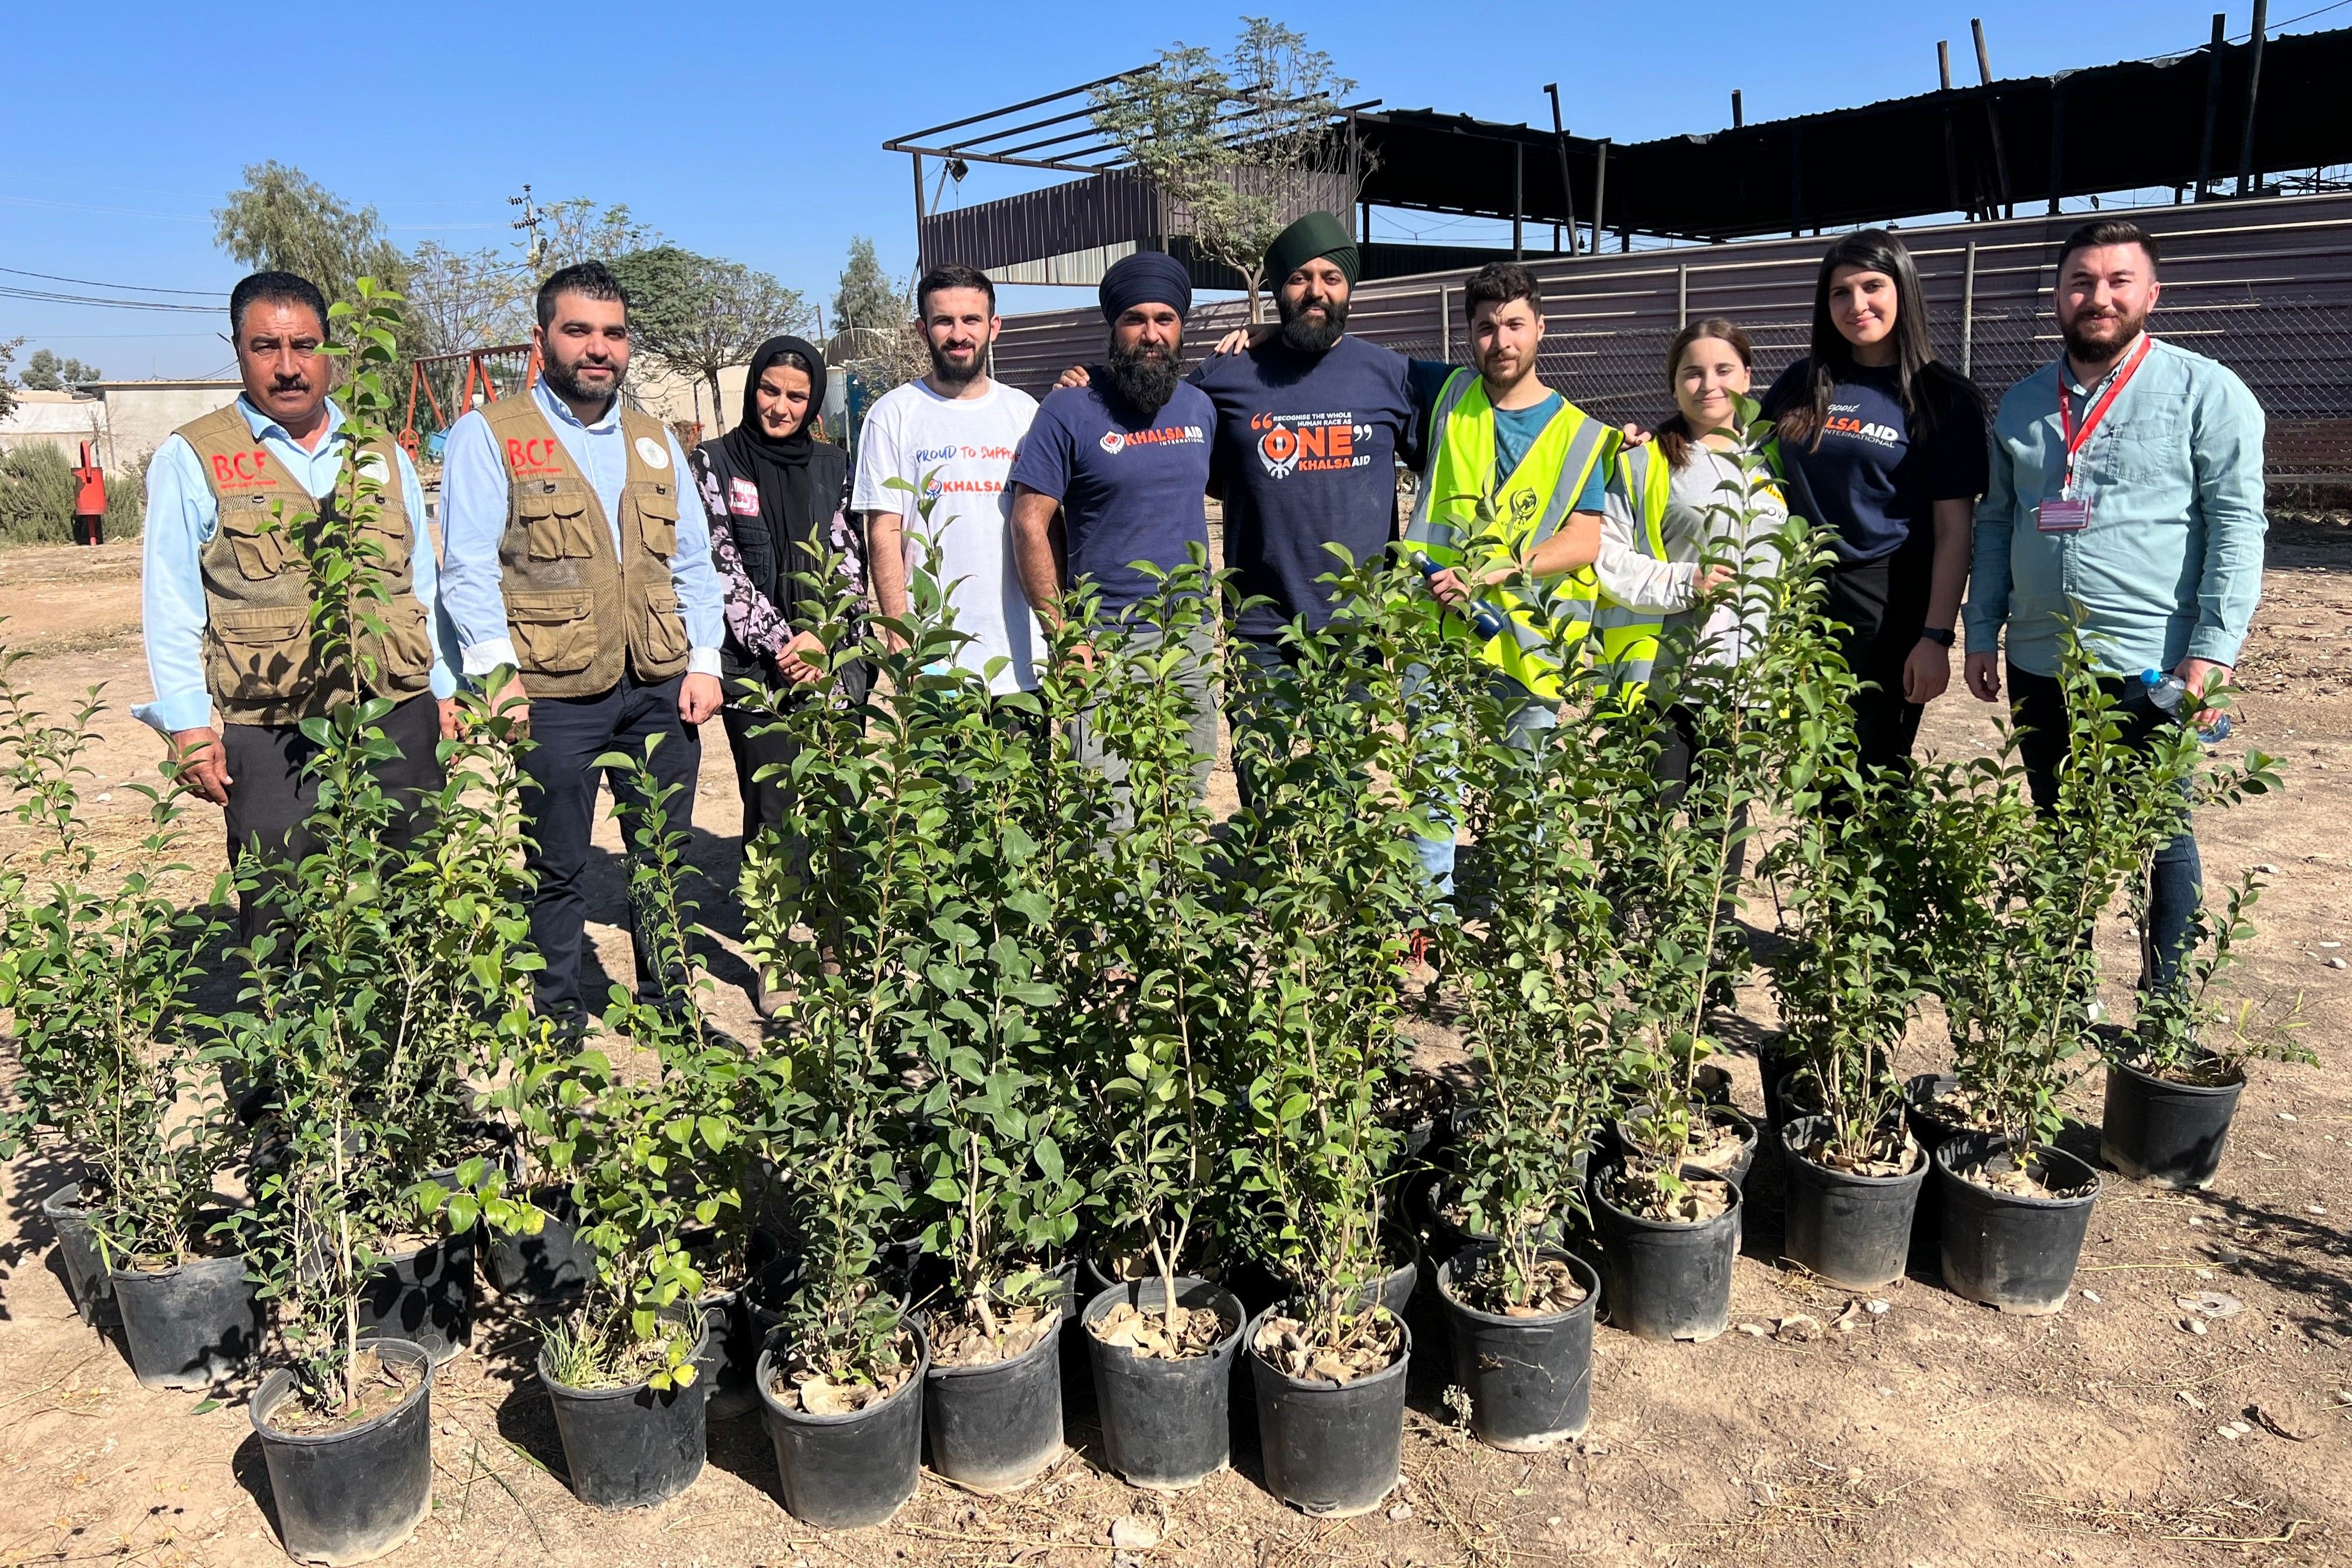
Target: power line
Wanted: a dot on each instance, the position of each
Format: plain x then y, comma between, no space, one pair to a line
133,288
2249,33
49,297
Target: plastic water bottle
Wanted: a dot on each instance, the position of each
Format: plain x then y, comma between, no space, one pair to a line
1483,615
2166,693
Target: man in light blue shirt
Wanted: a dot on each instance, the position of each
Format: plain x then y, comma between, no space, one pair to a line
225,597
577,561
2126,487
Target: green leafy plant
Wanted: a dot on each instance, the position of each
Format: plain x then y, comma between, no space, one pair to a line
2189,1031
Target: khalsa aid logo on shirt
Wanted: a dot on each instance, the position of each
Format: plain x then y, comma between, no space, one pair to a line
1116,441
1842,421
1297,442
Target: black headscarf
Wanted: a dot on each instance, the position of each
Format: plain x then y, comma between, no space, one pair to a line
789,506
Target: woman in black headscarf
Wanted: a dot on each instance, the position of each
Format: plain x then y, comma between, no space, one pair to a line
776,498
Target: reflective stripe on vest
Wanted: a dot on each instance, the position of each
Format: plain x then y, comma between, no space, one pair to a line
1457,485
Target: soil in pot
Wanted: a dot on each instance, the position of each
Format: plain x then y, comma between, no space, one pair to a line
1420,1107
1164,1380
2013,1228
1331,1415
1666,1250
67,1212
625,1442
422,1291
189,1325
351,1484
849,1451
992,1394
2170,1128
1849,1212
1722,1142
1525,1357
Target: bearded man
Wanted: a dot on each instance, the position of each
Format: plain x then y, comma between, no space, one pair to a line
1124,460
2127,488
577,560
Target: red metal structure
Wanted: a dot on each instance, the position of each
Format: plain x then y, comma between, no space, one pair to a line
473,377
89,499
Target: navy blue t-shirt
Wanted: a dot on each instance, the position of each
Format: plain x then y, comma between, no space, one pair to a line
1306,454
1131,489
1872,476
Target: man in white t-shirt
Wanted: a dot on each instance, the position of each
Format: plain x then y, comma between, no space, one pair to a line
953,435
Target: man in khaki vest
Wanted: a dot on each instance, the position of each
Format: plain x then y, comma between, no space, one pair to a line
226,598
575,552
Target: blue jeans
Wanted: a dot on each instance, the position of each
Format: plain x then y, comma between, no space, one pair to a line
2176,876
1526,716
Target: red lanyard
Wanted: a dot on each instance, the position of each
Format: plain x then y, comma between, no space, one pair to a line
2075,437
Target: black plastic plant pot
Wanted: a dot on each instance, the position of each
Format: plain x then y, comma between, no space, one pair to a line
997,1428
1774,1062
1663,1279
2158,1130
1166,1424
2005,1250
1529,1379
845,1472
355,1495
538,1270
189,1326
626,1448
730,1350
425,1295
1330,1449
93,1293
1851,1229
1797,1095
1929,1125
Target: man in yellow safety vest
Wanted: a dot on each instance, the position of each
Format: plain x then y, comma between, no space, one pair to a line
1515,481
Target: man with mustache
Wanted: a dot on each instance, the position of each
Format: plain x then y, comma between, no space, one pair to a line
950,438
225,592
2126,481
577,561
1125,462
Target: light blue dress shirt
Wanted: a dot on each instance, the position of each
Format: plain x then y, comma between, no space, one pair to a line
474,519
2171,564
182,517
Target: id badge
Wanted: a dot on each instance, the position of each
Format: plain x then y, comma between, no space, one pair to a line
2062,516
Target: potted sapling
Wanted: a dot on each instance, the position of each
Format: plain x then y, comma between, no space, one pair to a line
649,1159
841,1382
1328,889
1161,1340
115,1071
1536,975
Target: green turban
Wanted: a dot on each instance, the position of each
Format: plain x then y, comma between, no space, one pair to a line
1316,234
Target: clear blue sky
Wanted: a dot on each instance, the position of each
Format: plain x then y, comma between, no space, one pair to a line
743,131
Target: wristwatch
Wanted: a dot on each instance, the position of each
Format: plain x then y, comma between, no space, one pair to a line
1940,636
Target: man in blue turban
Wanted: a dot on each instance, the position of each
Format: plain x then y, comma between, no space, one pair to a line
1122,463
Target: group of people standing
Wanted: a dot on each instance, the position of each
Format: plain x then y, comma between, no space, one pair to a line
636,590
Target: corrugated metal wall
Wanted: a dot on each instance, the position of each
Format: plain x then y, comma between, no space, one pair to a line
2265,286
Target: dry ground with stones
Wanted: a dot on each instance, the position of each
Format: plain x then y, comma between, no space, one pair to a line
1902,1428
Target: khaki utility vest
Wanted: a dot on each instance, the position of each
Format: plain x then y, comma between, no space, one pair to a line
579,618
261,662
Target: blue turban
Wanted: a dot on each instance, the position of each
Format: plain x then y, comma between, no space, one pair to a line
1146,278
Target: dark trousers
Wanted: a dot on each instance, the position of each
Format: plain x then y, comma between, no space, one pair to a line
1882,608
765,801
1269,660
272,796
1675,767
560,775
2177,877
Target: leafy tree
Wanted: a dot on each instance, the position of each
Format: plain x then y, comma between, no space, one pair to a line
1238,146
579,230
866,298
8,382
45,372
467,299
282,220
701,314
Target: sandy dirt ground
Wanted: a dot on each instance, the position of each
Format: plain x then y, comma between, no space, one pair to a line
1932,1432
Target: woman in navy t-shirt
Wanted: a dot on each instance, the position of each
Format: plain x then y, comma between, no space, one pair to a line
1885,444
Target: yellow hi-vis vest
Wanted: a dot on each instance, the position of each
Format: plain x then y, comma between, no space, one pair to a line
1524,511
1628,638
1627,650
